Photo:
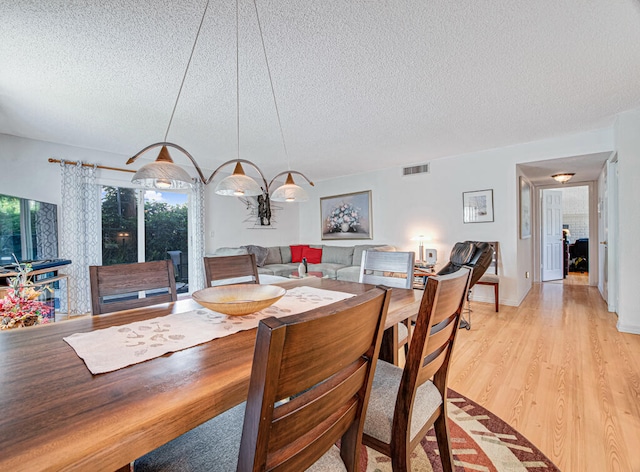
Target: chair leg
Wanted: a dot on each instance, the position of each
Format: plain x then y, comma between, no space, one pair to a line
496,292
401,459
442,436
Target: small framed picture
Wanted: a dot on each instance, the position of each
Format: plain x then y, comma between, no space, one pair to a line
477,206
346,216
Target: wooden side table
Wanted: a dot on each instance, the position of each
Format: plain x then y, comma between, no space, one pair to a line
422,272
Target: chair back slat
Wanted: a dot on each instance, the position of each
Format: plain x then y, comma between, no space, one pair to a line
117,287
227,267
433,362
393,269
310,382
493,267
297,417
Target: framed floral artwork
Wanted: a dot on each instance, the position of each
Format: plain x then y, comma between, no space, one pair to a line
346,216
477,206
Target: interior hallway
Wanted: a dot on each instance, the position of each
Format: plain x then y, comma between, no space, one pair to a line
558,371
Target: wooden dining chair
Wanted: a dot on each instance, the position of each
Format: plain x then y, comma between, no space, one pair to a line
392,269
125,286
309,387
222,270
405,403
491,277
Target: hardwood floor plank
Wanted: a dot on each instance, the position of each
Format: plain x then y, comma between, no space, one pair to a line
558,371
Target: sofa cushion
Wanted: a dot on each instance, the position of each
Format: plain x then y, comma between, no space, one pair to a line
313,255
258,251
296,252
327,269
337,255
230,251
283,270
285,253
357,253
273,256
349,274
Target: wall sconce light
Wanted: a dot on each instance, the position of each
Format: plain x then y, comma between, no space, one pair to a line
563,177
163,173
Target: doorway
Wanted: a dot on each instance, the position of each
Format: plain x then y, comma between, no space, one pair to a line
565,231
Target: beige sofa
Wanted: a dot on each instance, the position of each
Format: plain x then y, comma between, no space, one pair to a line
338,262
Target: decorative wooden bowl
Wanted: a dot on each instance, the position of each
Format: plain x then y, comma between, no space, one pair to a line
239,299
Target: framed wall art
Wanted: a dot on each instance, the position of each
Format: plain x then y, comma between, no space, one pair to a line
346,216
525,209
477,206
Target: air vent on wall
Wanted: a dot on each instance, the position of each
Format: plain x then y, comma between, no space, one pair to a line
421,169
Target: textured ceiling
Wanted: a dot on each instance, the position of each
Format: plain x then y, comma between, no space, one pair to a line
360,84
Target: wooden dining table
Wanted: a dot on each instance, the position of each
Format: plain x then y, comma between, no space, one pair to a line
55,415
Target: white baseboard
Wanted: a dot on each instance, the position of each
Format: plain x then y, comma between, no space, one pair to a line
491,300
626,328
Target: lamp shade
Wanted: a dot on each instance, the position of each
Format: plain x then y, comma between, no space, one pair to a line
238,185
162,174
289,192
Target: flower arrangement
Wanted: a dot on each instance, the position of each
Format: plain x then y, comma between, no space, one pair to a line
344,217
20,306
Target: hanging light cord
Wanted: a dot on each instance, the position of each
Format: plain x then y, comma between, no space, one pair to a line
193,48
237,81
273,93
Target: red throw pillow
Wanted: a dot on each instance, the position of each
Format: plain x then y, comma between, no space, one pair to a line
313,255
296,253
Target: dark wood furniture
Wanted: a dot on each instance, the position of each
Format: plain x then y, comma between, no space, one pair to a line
323,360
116,287
228,267
422,272
69,419
398,394
491,277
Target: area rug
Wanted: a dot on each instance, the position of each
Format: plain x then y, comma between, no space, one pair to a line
480,441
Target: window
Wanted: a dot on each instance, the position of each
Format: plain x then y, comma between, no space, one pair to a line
160,234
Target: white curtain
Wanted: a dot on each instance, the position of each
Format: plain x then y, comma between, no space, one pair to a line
196,237
80,229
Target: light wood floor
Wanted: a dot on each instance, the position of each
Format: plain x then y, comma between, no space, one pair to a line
557,370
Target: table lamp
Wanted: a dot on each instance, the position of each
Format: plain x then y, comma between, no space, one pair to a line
421,238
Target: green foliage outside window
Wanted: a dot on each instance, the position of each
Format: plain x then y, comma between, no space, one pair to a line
165,227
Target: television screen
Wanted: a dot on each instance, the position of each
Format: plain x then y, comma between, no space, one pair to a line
28,230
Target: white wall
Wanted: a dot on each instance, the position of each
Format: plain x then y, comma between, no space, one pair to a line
226,226
431,204
628,146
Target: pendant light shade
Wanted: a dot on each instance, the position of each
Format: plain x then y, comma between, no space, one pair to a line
289,192
239,185
162,174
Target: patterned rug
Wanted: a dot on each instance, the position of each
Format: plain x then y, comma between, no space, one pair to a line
480,441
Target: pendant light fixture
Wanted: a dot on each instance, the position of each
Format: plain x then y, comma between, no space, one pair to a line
165,174
563,177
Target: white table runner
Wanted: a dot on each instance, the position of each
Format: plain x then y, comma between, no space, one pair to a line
113,348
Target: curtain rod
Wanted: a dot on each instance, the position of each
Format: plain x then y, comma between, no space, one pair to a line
72,163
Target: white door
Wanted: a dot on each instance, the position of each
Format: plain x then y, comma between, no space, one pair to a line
603,231
552,251
612,240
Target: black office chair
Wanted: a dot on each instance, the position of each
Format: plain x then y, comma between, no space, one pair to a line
475,254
